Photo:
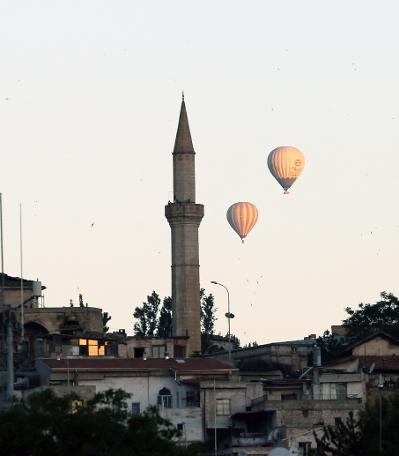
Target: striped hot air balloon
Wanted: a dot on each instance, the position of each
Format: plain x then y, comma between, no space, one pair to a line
242,218
286,164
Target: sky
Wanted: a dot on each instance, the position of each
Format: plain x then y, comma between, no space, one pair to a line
89,102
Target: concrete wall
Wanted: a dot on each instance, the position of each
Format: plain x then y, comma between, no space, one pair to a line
143,388
12,297
147,344
191,418
233,391
294,356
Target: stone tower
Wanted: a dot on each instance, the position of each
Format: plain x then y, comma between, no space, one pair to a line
184,217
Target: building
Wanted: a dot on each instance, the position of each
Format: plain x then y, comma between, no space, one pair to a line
175,386
184,217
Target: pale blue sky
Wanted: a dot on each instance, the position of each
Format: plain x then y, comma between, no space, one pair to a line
89,103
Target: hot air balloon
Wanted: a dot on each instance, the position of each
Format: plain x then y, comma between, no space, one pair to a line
242,218
286,164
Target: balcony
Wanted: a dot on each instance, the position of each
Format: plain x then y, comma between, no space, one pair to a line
251,439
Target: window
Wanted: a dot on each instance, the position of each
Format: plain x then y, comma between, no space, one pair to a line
179,351
164,398
139,352
158,351
135,408
192,399
337,420
288,397
223,407
91,347
180,427
341,390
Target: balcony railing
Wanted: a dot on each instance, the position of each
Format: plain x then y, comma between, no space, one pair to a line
251,439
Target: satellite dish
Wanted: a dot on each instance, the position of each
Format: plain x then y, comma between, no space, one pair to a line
294,451
279,451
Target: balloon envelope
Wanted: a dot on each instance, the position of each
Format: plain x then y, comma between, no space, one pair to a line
242,218
286,164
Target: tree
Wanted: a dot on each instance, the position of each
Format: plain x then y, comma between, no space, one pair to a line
208,311
164,328
383,315
155,321
106,319
147,316
360,437
331,346
235,341
62,426
344,439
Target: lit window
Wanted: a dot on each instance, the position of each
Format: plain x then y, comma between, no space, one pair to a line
82,342
93,350
101,350
93,342
223,407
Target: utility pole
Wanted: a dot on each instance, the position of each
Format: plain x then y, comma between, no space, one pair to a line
10,358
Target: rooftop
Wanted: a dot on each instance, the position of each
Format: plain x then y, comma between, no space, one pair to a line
188,364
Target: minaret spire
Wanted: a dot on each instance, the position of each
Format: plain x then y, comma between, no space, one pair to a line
183,142
184,217
183,161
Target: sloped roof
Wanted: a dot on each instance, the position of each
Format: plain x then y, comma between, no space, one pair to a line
188,364
383,334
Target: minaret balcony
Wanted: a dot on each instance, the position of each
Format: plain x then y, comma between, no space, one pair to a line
184,212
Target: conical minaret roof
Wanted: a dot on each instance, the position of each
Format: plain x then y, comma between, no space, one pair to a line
183,142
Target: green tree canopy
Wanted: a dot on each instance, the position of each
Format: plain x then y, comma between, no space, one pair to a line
106,318
147,316
46,424
164,328
154,320
208,313
360,437
383,315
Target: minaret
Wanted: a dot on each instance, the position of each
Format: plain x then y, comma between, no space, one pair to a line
184,217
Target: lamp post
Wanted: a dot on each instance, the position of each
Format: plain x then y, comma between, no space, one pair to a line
380,387
228,315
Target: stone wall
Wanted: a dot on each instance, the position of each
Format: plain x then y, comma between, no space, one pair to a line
52,318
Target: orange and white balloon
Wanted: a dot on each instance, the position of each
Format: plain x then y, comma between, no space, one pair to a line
242,218
286,164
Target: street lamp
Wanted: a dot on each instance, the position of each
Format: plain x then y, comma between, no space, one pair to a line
228,315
